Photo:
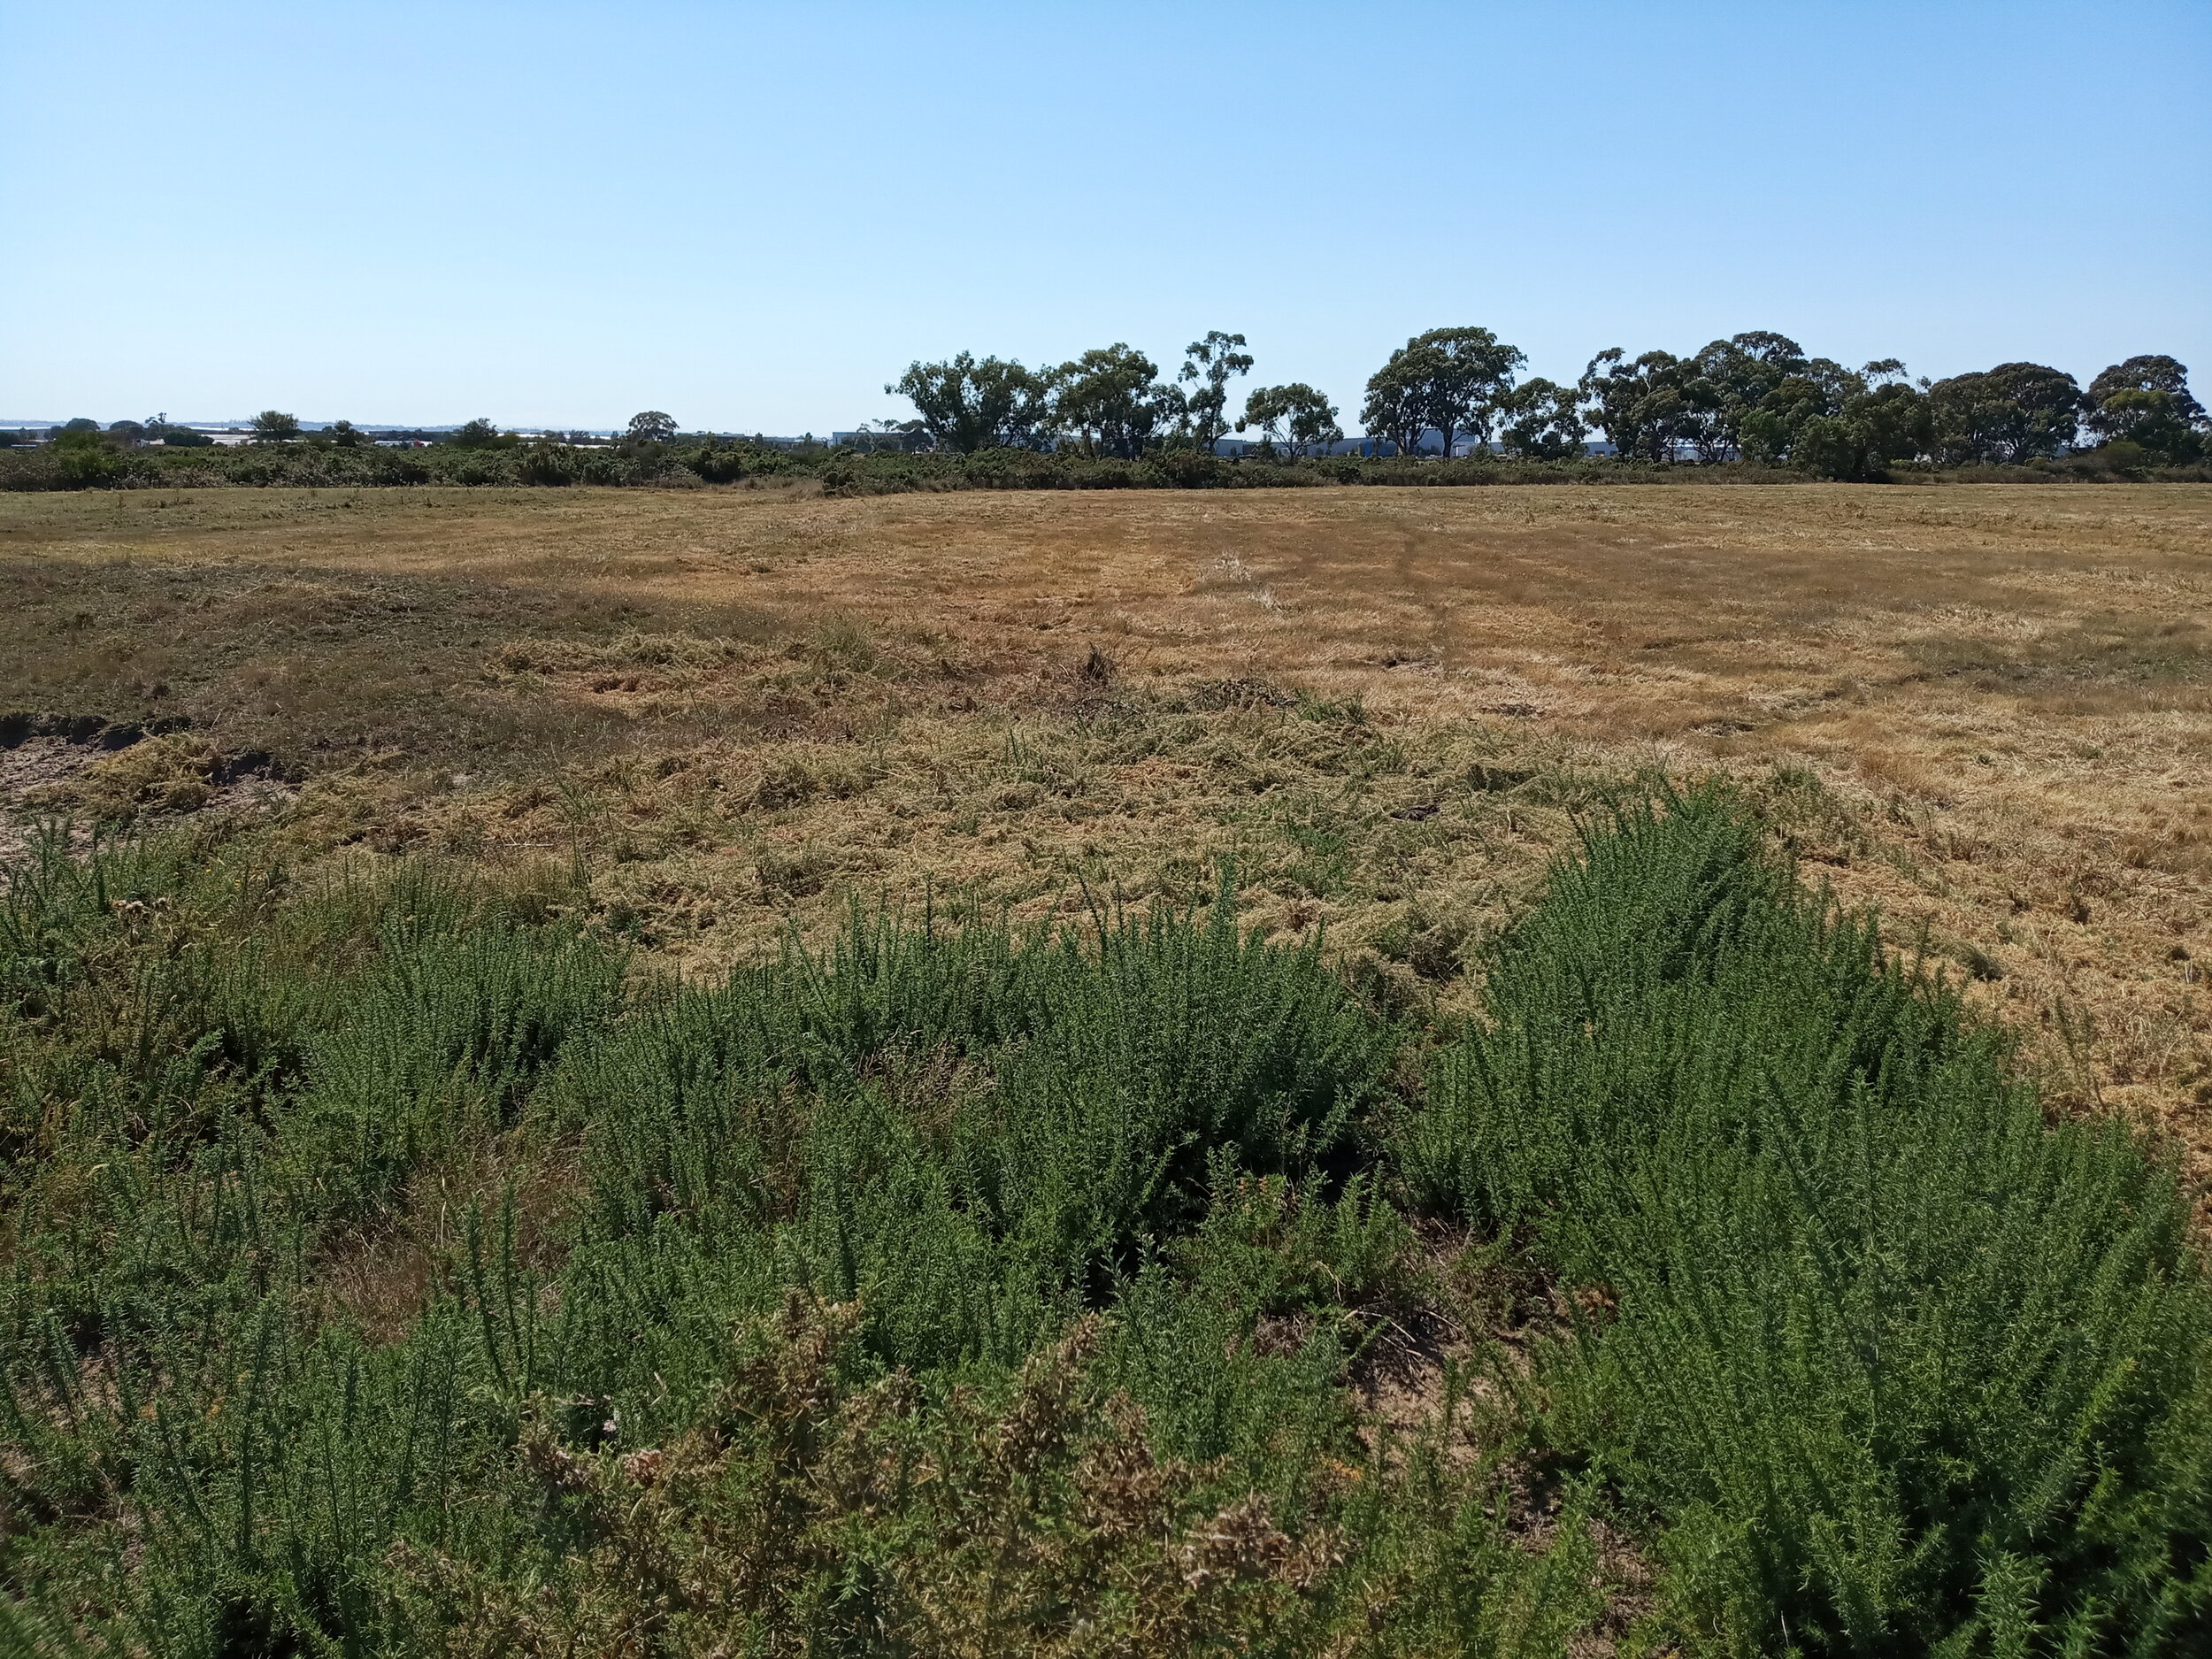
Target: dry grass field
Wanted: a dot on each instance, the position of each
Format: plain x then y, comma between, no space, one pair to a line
711,716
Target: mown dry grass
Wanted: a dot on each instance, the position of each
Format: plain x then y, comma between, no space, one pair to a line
1988,708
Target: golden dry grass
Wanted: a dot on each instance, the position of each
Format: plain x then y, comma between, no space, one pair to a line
1987,708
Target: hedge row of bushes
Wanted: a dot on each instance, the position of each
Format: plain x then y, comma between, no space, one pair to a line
302,466
843,472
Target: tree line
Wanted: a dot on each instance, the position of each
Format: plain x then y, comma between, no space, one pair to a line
120,433
1755,396
1110,418
1109,401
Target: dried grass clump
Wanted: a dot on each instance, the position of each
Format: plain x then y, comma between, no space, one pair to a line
171,773
625,650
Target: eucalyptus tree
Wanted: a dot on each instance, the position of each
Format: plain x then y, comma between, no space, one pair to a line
2165,374
1474,376
1296,413
1885,423
1209,364
1396,406
1541,421
1111,400
483,434
1649,407
1739,373
2146,400
1455,380
1814,388
2015,412
966,405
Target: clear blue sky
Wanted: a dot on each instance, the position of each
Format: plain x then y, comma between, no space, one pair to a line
754,217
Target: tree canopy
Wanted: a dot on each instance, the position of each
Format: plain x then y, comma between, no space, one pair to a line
1542,421
1396,407
2145,401
2163,374
1758,396
1649,407
1209,363
2014,412
1296,413
1112,402
1733,379
483,434
1455,380
1815,389
968,405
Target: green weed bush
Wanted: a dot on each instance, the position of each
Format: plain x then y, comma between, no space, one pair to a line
391,1270
1890,1363
969,1131
867,1206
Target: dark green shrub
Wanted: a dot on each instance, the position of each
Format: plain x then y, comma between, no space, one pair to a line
84,460
971,1131
1890,1363
547,463
388,1274
1187,469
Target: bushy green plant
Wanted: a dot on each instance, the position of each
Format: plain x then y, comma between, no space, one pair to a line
971,1131
1891,1362
84,460
967,1136
390,1272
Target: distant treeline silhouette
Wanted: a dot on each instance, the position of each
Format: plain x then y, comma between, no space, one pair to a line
1755,398
1448,407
